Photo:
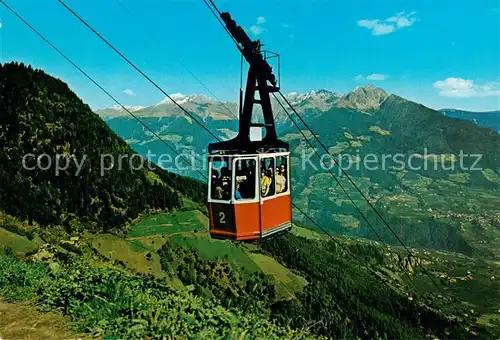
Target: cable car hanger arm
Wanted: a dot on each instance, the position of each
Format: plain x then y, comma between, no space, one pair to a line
260,79
250,49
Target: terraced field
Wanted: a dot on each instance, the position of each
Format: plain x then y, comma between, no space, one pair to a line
289,283
132,253
190,229
18,243
210,249
163,224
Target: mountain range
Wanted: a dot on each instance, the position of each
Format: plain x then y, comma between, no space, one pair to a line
362,98
489,119
438,201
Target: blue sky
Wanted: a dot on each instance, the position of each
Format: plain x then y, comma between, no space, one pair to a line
438,53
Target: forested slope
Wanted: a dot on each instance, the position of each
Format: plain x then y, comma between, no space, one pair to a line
45,125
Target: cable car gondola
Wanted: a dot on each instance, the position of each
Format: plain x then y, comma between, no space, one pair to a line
249,193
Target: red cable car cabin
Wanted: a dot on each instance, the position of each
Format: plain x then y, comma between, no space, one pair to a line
249,180
249,195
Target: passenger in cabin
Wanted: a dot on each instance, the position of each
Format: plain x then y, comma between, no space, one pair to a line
266,181
281,179
237,193
263,182
215,175
248,184
216,185
226,183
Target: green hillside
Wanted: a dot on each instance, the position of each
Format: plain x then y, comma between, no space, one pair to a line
42,117
300,281
437,202
187,137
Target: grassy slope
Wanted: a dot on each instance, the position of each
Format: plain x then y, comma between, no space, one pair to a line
190,229
478,292
101,299
18,243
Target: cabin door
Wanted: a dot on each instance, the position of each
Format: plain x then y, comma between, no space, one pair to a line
267,187
246,197
275,203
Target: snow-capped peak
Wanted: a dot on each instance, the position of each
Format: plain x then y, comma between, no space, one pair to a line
178,96
313,95
180,99
131,108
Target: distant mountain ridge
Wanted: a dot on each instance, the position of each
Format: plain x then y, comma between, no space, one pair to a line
362,122
489,119
364,99
361,98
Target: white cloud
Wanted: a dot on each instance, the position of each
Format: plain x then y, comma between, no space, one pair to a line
129,92
257,28
389,25
383,29
401,20
377,76
368,23
466,88
374,76
0,25
375,27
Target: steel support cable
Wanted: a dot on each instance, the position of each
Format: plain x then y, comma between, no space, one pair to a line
366,199
344,172
303,135
84,22
214,9
307,126
125,8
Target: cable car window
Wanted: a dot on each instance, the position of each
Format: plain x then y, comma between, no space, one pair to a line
267,177
281,174
245,179
221,179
